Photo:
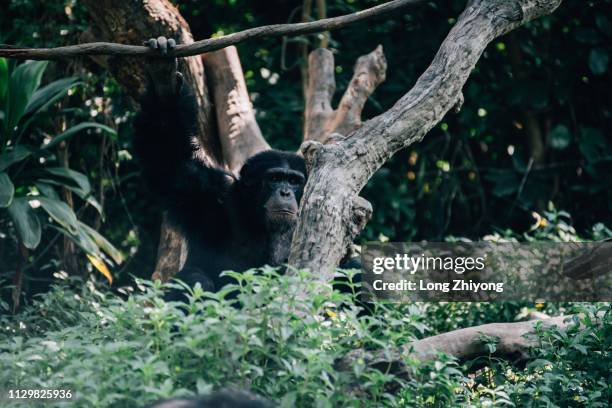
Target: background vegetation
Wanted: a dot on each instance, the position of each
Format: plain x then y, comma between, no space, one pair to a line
115,352
477,173
528,157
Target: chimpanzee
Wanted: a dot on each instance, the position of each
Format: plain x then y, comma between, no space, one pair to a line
230,223
219,399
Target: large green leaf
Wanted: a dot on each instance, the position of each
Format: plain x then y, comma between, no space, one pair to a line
560,137
45,97
14,155
44,185
24,80
3,81
598,61
102,243
67,175
50,93
592,143
76,129
83,241
26,222
7,190
46,189
60,212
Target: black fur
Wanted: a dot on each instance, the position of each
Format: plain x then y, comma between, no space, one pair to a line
230,223
219,399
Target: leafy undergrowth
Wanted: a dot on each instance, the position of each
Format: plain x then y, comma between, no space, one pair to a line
124,351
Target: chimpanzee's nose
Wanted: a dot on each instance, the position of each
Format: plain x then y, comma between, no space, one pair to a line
285,192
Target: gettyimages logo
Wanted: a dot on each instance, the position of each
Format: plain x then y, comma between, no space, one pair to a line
488,271
412,264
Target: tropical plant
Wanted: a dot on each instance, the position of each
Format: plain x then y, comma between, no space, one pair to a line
30,173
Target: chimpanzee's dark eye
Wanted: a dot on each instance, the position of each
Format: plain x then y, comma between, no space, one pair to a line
275,178
295,180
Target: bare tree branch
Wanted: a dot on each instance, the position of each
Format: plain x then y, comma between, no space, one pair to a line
514,341
322,15
211,44
320,120
331,212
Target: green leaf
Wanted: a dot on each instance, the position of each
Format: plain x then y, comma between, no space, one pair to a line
102,243
24,80
598,61
603,23
83,194
26,222
560,137
7,190
47,95
82,240
46,190
60,212
15,155
76,129
3,81
65,174
581,348
592,143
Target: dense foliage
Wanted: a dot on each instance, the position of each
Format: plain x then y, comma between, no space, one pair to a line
528,158
121,352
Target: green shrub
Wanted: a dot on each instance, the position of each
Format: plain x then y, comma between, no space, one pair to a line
122,351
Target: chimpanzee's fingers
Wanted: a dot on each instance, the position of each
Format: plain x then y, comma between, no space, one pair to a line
171,43
162,42
151,43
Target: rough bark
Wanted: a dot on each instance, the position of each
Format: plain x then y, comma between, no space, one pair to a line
239,134
171,251
132,21
514,341
320,120
331,212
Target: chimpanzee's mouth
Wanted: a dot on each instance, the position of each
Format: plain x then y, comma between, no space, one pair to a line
282,213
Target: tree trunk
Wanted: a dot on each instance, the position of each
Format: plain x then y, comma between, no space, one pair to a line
239,132
238,135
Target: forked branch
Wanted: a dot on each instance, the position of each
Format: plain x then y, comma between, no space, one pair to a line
340,170
321,121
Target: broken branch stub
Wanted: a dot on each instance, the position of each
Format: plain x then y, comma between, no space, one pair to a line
320,119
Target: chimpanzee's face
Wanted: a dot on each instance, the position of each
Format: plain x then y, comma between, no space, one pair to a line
282,189
276,180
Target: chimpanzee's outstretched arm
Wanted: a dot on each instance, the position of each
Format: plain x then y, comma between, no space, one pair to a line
165,142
